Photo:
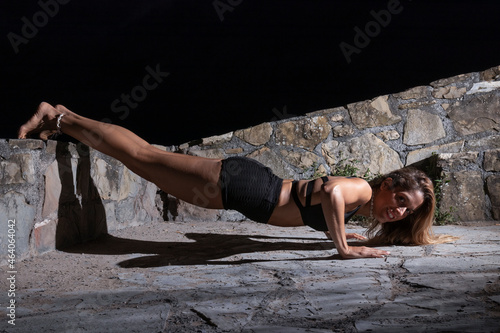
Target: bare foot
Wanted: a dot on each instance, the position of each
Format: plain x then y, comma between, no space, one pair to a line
43,122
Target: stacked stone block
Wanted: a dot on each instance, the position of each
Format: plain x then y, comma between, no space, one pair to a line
62,193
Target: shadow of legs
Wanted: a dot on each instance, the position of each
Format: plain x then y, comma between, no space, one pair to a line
81,214
208,249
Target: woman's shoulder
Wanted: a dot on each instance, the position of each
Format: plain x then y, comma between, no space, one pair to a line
356,187
348,180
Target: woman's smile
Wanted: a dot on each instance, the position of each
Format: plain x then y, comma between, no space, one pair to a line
392,205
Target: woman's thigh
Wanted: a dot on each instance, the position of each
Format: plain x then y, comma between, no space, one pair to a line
190,178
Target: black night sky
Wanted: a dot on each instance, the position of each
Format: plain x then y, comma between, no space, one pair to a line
174,71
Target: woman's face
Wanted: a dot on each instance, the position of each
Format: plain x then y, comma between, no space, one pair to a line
391,205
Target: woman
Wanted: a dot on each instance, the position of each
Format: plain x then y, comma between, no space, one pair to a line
405,197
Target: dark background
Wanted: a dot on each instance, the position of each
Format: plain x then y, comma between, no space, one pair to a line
265,60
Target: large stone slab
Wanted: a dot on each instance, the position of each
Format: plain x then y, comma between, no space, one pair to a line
422,154
18,218
373,113
303,160
457,79
282,329
449,92
429,311
460,283
450,249
414,93
27,144
216,153
306,133
256,135
483,87
365,153
184,211
249,277
490,74
452,264
274,161
477,114
217,139
458,324
106,176
422,127
464,192
44,236
53,189
388,135
492,160
457,161
489,142
127,311
19,169
342,130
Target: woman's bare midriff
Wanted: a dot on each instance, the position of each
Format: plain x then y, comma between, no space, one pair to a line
286,213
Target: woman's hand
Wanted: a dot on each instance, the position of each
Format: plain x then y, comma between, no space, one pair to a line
363,252
354,252
355,236
347,236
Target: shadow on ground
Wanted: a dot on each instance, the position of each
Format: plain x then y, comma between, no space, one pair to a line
206,249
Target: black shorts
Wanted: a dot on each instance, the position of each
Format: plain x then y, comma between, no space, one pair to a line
250,188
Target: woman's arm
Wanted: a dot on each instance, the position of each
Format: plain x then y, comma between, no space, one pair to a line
335,196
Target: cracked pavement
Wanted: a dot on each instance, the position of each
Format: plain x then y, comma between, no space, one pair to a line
249,277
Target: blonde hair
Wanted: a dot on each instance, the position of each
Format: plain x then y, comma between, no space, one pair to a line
415,229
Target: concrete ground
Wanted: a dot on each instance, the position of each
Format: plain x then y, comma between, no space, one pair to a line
248,277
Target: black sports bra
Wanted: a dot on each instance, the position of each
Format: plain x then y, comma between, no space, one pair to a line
312,215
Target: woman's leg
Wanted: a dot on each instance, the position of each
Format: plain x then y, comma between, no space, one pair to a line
189,178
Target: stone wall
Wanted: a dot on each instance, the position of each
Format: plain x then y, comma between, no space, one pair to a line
61,193
451,124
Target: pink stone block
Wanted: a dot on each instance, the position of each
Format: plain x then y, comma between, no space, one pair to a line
44,236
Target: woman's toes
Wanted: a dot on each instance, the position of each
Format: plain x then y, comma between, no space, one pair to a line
42,122
21,133
30,127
